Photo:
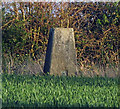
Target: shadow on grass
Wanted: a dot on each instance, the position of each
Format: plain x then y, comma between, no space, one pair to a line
14,105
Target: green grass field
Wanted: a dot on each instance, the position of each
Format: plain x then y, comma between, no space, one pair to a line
51,91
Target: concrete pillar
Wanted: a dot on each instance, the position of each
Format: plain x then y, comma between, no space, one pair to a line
61,52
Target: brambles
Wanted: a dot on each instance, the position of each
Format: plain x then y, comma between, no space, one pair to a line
96,28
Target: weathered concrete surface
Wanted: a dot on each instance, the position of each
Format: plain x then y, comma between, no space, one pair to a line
61,52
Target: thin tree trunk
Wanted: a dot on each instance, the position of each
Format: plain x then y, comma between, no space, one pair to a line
22,10
16,10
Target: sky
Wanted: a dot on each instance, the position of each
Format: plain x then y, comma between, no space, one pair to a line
60,0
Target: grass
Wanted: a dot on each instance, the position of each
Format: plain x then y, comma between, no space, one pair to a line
51,91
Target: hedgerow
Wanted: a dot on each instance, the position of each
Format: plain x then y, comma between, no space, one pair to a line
96,25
